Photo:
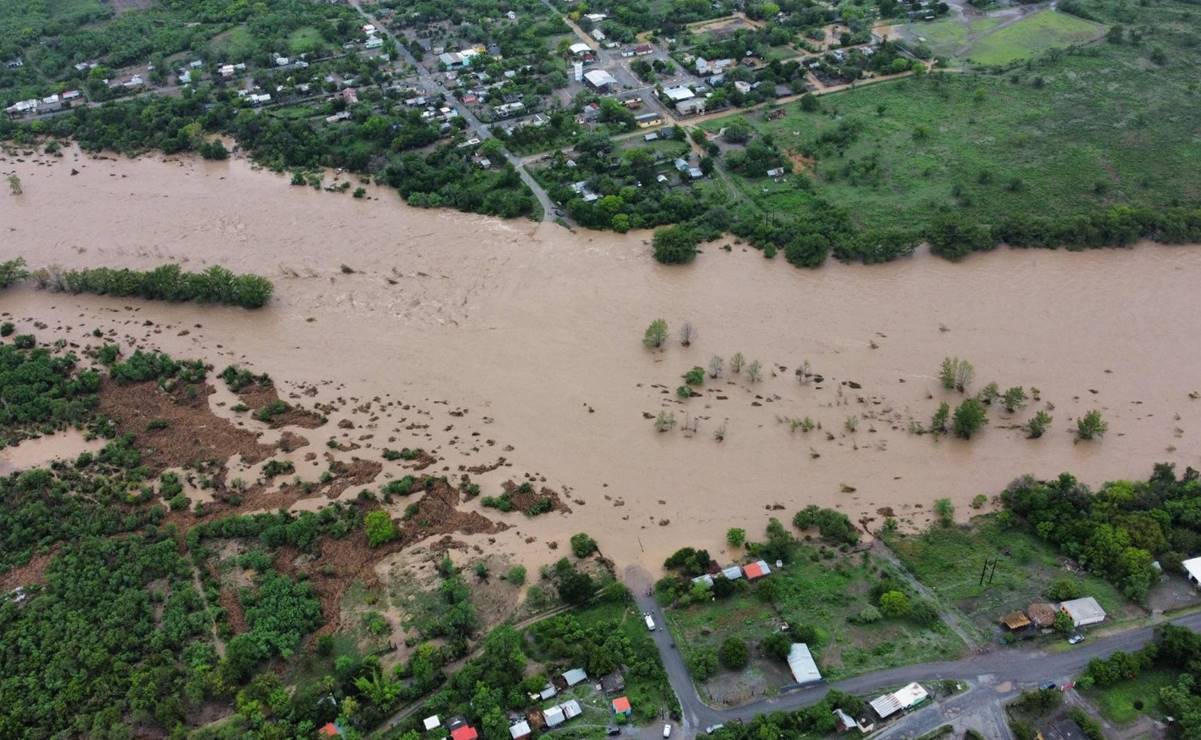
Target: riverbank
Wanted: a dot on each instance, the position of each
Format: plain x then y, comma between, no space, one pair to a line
528,336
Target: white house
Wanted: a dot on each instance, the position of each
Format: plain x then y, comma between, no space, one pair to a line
801,663
1192,569
1084,611
676,94
900,700
599,79
579,48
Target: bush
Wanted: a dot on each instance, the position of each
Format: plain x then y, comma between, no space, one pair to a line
735,536
733,654
655,334
969,417
702,663
867,615
1064,589
582,545
379,527
894,605
516,575
675,245
831,523
1091,426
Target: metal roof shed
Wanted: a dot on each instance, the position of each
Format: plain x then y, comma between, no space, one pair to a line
1084,611
801,663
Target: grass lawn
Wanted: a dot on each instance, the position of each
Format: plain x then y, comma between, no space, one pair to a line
1034,34
304,40
236,43
1089,131
949,561
946,37
1118,702
824,593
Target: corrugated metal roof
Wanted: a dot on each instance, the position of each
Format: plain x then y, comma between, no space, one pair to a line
801,663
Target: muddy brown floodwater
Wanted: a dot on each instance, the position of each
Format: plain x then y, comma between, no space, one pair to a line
531,335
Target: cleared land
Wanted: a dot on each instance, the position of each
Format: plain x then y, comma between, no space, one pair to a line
1059,139
1125,702
1034,34
823,591
949,561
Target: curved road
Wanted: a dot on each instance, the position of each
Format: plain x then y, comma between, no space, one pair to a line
1023,667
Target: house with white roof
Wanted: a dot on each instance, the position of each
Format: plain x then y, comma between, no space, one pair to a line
1192,570
1083,611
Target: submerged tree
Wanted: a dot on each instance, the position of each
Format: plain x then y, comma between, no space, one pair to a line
656,334
1091,426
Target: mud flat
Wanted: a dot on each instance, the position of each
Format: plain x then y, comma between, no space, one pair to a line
495,339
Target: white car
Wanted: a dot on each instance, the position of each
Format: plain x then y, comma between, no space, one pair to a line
650,625
666,727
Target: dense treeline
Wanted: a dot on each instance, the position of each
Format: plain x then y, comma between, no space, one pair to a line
165,283
1119,531
41,392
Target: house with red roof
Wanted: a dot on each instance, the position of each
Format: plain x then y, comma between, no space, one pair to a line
330,730
464,732
756,570
621,705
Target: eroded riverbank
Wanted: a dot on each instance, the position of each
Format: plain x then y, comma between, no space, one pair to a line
531,335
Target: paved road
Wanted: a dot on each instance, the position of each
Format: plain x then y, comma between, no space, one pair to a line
477,127
1025,668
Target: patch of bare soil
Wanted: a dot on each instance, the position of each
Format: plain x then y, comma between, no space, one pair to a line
33,572
800,163
357,472
185,432
437,512
422,461
289,441
486,468
228,598
257,395
525,501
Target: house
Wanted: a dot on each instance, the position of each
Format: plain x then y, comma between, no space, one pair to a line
734,572
596,17
742,87
507,109
706,579
621,705
575,676
678,94
691,106
431,723
775,172
579,48
598,34
682,165
903,699
554,716
259,98
520,730
695,173
1192,569
643,50
646,120
571,709
339,116
282,61
374,42
632,103
329,729
705,67
756,570
801,663
1084,611
613,682
548,691
464,732
599,79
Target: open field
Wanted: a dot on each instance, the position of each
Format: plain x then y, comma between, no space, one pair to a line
823,591
1060,139
1121,702
949,562
947,36
1033,35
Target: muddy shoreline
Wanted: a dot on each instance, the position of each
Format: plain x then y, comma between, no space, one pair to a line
521,341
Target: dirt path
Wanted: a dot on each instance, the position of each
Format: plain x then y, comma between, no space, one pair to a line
218,643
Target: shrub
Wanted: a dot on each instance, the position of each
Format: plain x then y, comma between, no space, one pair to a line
894,605
736,537
1064,589
733,654
695,376
867,615
702,663
969,417
379,527
1091,426
1038,424
655,335
582,545
516,575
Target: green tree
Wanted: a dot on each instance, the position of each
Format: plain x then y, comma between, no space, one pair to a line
655,335
944,510
582,545
380,528
938,422
733,654
675,245
1037,425
894,604
969,417
1013,398
735,536
1091,426
1063,623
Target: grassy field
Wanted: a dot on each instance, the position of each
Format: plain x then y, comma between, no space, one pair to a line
1120,703
949,561
946,37
1034,34
824,594
1091,130
304,40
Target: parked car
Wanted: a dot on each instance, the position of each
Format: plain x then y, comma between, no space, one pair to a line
613,731
650,624
1076,639
1047,686
667,730
713,728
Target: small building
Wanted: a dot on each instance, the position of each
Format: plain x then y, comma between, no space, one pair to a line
374,42
598,34
1016,621
575,676
1041,614
330,729
579,48
903,699
643,50
599,79
554,716
734,572
1083,611
621,705
756,570
706,579
691,106
801,663
695,173
613,682
654,136
431,723
646,120
464,732
678,94
571,709
520,731
1192,570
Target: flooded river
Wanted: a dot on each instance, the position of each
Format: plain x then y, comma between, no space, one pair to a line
531,334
